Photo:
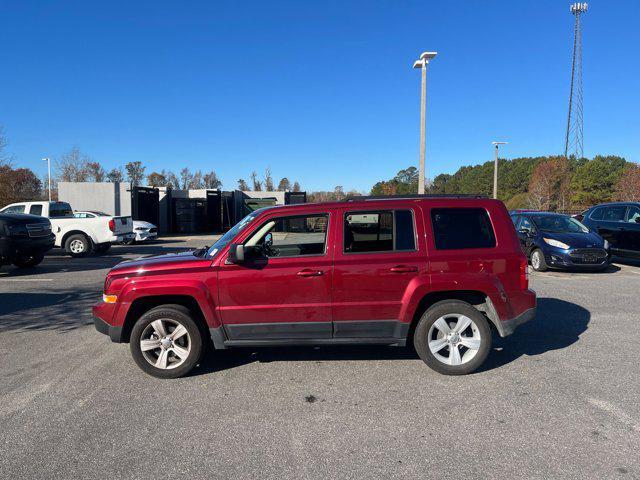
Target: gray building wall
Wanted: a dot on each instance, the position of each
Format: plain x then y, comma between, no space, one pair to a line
111,198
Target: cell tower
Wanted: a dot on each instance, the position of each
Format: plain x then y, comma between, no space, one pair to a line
574,144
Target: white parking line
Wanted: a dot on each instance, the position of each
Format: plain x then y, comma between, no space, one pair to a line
26,279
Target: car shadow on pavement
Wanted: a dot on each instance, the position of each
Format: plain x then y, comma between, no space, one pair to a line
558,324
60,311
236,357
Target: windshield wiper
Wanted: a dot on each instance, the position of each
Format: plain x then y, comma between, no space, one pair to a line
200,252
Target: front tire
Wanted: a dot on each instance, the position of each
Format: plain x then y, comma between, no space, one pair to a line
453,338
166,342
78,245
28,261
538,263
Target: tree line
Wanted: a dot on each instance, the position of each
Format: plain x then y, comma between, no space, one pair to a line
543,183
21,184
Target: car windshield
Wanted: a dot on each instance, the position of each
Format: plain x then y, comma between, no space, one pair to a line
559,224
224,240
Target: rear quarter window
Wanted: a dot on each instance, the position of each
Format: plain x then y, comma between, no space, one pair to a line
462,228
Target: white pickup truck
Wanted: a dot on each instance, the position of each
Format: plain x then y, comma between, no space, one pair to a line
78,236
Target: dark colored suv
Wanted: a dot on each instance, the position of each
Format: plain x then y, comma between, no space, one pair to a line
24,239
618,223
438,273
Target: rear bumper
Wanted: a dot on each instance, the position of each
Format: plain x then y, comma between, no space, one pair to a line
509,326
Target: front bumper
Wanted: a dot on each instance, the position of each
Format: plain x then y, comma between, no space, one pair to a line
142,236
578,258
102,311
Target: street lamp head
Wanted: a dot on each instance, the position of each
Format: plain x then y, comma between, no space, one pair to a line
426,56
424,59
499,143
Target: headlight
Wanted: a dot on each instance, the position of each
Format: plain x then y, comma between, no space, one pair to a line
556,243
139,229
606,245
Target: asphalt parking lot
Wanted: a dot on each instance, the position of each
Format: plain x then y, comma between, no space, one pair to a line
559,399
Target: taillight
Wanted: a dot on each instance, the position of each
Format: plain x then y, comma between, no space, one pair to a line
524,273
112,225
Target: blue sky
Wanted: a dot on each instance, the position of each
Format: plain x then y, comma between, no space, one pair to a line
321,92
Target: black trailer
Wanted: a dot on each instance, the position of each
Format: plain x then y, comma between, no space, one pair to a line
145,204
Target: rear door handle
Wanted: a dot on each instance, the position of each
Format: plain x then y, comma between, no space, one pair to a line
403,269
310,273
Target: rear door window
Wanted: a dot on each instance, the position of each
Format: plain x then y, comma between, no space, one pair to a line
462,228
60,209
379,231
35,210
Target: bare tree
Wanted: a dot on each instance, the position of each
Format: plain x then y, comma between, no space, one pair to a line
196,181
155,179
212,181
172,180
115,175
268,180
296,186
338,193
95,172
242,185
72,166
135,173
257,184
186,178
4,158
628,187
284,185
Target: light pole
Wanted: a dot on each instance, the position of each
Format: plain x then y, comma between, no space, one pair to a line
48,160
422,64
495,169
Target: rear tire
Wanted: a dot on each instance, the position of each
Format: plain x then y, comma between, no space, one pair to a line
28,261
538,263
166,342
453,338
78,245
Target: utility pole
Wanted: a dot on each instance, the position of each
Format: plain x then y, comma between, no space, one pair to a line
495,169
422,64
48,160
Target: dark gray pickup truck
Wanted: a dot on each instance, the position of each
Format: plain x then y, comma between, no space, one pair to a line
24,239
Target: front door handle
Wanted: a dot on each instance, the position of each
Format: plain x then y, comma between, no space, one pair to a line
403,269
310,273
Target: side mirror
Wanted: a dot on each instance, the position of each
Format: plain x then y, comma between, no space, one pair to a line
268,239
637,220
236,253
525,231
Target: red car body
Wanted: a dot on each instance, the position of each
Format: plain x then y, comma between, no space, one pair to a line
335,297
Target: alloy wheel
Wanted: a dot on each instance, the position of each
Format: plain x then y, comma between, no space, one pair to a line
165,344
454,339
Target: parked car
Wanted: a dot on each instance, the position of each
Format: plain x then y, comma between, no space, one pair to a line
552,240
78,237
144,231
24,239
619,224
438,273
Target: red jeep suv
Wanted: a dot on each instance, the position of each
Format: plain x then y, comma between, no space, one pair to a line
437,272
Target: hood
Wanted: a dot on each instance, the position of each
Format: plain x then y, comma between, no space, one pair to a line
577,240
142,224
155,263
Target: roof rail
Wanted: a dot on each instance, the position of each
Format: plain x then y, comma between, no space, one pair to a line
355,198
